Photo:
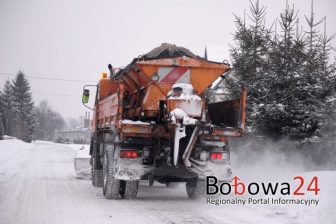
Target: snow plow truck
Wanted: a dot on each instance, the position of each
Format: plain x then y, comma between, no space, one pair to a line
151,121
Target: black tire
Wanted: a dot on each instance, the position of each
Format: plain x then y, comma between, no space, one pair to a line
97,171
195,189
130,189
97,175
111,186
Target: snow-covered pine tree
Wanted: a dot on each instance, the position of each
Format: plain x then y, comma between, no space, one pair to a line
300,80
250,60
284,111
328,78
23,105
8,113
315,81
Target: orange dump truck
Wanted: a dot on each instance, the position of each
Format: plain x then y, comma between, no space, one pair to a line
152,122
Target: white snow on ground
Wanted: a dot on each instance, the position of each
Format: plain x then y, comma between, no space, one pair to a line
38,185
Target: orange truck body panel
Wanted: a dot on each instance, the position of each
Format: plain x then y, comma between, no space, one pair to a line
108,110
139,76
145,93
203,72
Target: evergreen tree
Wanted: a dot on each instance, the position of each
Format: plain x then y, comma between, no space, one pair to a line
316,81
297,103
8,113
328,74
23,106
250,60
291,82
280,113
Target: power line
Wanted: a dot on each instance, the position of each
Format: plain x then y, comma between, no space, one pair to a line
47,78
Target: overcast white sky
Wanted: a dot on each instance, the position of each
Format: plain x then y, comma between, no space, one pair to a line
76,39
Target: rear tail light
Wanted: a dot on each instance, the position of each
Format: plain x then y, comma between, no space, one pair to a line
216,155
129,154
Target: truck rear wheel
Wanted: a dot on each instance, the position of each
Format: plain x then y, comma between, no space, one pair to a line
111,186
195,189
97,171
130,189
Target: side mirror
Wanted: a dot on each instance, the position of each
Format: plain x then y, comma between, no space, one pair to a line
86,96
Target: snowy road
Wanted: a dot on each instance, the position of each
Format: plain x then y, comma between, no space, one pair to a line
38,185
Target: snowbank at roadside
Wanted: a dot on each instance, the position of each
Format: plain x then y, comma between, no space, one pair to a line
13,143
7,137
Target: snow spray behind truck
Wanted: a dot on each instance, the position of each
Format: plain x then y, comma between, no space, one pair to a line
151,122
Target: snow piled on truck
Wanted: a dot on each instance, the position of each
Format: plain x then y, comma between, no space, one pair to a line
179,114
187,92
127,121
191,105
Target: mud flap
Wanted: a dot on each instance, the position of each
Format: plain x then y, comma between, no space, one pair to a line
173,174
